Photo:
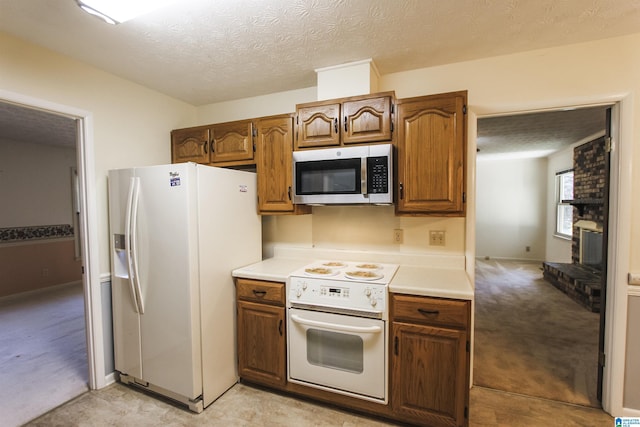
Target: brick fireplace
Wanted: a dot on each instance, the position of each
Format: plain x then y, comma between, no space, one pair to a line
580,280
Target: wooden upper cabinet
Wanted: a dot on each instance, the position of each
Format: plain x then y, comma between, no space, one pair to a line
367,120
318,125
431,144
274,166
190,145
231,142
354,120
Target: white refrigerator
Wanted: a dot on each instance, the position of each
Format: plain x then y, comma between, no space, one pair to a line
176,233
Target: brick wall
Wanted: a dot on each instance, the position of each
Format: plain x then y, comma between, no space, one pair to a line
588,185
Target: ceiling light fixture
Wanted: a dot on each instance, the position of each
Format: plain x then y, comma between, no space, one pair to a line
118,11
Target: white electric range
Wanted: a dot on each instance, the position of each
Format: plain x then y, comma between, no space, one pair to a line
337,314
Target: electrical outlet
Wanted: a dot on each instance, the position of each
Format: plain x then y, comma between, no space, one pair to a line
436,238
398,235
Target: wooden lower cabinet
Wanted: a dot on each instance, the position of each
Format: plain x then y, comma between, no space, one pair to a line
429,357
261,332
428,374
429,381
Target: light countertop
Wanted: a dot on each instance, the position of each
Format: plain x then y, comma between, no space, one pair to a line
271,269
409,279
434,282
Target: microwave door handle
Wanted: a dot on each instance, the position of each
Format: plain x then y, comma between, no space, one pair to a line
336,327
363,176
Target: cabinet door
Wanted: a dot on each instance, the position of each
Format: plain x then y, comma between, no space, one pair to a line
318,126
274,165
261,343
428,374
368,120
190,145
232,141
431,155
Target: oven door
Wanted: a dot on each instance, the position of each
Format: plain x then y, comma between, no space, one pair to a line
340,353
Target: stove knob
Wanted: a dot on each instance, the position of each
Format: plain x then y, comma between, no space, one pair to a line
304,286
374,302
367,291
298,293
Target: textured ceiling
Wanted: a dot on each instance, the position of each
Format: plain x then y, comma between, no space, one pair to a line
205,51
22,124
537,134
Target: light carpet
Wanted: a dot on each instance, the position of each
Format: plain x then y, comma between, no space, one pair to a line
530,338
43,353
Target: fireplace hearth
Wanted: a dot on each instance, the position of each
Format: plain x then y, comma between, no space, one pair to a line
581,279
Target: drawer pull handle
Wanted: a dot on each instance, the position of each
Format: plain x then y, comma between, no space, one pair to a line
280,327
259,294
428,312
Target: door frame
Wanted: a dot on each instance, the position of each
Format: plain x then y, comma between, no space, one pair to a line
88,226
619,227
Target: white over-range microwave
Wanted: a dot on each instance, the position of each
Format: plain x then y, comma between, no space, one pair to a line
345,175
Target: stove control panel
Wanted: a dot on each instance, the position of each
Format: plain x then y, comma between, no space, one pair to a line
339,294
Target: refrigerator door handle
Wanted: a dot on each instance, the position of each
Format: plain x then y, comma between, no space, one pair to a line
134,245
127,242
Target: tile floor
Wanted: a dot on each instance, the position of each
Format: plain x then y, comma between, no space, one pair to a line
242,405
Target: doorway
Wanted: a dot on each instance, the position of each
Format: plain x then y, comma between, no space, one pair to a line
530,338
91,286
42,305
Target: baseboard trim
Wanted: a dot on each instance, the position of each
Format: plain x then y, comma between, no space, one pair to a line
110,379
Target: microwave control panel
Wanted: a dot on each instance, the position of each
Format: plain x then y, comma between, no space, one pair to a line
377,175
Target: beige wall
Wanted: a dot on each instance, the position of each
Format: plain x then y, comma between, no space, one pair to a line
37,264
131,123
597,72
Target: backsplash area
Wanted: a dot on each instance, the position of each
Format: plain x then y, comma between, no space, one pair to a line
37,232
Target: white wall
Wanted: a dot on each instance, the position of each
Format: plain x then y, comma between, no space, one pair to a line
558,249
511,208
35,184
258,106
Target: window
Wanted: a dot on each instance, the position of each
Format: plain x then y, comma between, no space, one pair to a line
564,211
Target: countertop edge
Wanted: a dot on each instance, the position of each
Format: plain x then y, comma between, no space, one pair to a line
409,279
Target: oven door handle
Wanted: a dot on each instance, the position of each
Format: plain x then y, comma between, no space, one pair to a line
333,326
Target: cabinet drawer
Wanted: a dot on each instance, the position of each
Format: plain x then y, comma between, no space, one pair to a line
435,311
259,291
